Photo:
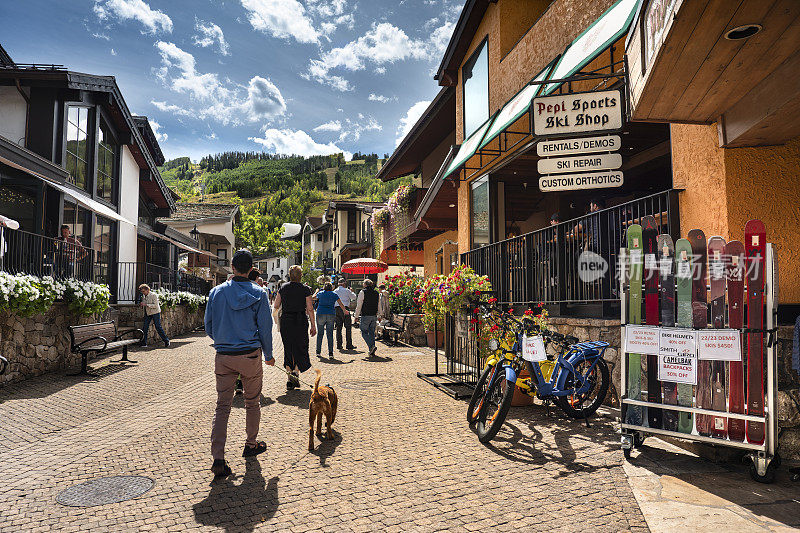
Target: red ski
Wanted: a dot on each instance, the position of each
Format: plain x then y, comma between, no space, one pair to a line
700,320
651,309
734,274
755,245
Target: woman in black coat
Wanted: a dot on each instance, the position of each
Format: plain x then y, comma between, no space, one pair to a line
297,311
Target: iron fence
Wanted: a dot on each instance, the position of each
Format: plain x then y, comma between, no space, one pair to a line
558,264
133,274
22,252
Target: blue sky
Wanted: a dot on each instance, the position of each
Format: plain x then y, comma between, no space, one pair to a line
285,76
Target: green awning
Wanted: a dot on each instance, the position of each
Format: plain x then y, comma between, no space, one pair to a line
469,147
609,27
516,107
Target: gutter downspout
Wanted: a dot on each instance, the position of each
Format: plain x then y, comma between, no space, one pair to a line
27,108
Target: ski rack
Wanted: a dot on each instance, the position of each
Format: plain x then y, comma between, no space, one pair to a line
762,455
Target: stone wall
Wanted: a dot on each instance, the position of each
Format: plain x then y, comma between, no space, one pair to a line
414,332
40,344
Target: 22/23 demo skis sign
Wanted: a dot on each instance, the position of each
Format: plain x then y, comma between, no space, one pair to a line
577,113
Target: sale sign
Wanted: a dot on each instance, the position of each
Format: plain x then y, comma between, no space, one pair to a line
719,345
533,348
641,339
678,368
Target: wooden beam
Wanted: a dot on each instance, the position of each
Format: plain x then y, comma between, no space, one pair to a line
659,150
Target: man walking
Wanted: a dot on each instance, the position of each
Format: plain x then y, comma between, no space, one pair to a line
238,319
343,319
152,313
367,309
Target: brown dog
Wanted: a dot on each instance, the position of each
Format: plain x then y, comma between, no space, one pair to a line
323,401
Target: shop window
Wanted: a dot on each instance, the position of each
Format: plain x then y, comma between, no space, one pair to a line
222,253
77,218
104,247
319,237
475,79
351,226
480,212
77,156
106,163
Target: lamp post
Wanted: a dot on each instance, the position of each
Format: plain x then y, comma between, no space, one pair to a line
195,234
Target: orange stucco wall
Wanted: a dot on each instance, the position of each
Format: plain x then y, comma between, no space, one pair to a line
726,187
432,245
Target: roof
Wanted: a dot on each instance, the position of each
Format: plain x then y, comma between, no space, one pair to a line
335,205
53,74
314,222
201,211
150,138
433,126
5,59
467,25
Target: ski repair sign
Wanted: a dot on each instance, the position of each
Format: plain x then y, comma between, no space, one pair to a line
577,113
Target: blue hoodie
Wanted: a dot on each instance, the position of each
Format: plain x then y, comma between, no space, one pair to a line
238,317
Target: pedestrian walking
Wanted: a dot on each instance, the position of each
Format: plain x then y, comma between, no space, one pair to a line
327,301
238,320
294,302
343,319
367,314
152,313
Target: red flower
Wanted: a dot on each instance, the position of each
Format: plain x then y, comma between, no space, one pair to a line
528,312
473,320
476,310
492,300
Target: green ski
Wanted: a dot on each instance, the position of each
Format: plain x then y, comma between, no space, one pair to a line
634,414
683,256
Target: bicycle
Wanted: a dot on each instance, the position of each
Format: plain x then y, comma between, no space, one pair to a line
576,381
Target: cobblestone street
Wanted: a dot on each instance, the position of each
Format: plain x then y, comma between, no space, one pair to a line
405,458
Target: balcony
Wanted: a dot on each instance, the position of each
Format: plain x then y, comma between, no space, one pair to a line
131,275
542,266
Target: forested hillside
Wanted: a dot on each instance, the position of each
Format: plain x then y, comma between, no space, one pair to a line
274,189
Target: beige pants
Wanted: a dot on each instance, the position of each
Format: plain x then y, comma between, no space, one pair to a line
228,368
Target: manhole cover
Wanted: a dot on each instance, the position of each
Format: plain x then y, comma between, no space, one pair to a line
361,384
105,490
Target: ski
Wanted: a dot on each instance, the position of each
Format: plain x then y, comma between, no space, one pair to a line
755,251
683,293
666,267
716,278
649,233
700,320
634,414
734,275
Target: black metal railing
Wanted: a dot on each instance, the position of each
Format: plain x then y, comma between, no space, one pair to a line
22,252
557,264
133,274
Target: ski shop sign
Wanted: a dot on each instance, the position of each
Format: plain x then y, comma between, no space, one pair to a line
577,113
571,182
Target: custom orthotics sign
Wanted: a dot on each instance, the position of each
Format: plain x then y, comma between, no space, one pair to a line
580,163
574,182
577,113
583,145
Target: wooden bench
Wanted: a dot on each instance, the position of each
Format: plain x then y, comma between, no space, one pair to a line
395,327
101,338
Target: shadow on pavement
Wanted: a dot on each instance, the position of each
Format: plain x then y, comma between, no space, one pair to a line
297,398
238,401
686,478
242,506
377,359
326,448
333,361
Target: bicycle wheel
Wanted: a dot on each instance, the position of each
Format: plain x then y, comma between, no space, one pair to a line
476,401
581,405
496,404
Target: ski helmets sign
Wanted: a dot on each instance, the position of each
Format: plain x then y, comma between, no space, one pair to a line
577,113
580,163
579,182
583,145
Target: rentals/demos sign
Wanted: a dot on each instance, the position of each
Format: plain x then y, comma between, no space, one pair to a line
574,182
577,113
583,145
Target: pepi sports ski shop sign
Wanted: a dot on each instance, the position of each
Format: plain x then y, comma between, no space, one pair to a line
577,113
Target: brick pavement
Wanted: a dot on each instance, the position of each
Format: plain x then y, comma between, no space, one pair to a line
405,460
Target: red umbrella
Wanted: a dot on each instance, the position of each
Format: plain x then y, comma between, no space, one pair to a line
364,265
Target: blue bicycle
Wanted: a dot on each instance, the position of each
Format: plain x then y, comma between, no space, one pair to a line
576,380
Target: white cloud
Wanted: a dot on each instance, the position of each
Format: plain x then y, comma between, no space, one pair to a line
138,10
284,19
209,35
408,121
298,142
223,101
380,98
156,127
113,52
98,35
319,73
170,108
380,70
440,37
331,125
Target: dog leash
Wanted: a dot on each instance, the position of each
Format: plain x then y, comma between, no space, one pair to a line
293,376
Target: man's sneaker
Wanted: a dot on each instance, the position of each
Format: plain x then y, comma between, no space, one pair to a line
351,348
239,387
251,451
373,350
142,345
220,468
166,344
330,355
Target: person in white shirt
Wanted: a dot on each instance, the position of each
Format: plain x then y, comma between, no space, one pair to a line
346,296
367,314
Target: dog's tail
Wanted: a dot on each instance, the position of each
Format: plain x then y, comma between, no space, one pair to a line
316,382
